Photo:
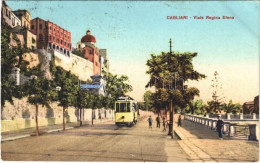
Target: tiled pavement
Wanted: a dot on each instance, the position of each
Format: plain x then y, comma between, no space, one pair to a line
203,144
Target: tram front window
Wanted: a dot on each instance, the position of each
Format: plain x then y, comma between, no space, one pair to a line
128,107
117,107
122,107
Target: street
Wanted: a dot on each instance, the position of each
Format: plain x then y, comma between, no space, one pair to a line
100,142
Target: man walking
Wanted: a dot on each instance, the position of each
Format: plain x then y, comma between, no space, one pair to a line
158,121
164,123
150,120
179,121
220,124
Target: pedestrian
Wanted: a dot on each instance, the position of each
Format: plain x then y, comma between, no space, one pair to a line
220,124
164,123
150,120
158,121
179,121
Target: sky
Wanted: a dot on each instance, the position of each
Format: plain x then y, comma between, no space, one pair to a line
131,31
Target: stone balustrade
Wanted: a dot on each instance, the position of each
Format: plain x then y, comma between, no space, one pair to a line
229,127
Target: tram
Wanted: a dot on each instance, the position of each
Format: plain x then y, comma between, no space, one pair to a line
125,111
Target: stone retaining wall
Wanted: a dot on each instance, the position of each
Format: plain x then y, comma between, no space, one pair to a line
22,115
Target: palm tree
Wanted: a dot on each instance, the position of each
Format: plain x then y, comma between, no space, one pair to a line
231,108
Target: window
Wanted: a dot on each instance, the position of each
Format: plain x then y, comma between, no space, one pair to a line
50,38
65,44
117,107
40,26
9,15
32,26
54,29
6,12
17,24
50,27
60,41
128,107
13,22
24,24
57,41
122,107
53,38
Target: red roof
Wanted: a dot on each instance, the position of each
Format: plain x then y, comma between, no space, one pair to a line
88,38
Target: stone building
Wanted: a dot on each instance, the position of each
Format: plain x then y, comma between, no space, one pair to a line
88,47
98,86
25,18
248,107
256,104
29,38
51,36
8,17
104,63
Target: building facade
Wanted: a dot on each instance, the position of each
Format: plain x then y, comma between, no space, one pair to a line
25,18
104,63
88,47
51,36
8,17
29,38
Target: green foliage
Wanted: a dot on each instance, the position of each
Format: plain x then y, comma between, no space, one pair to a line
8,61
116,87
78,53
170,68
67,95
231,108
217,94
39,91
196,106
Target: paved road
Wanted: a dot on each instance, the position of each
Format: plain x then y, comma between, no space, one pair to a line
101,142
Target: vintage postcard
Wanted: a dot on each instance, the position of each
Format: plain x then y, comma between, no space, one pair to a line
124,81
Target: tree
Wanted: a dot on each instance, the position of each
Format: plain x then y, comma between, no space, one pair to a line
148,101
81,102
231,108
217,94
169,71
67,94
116,87
39,95
196,106
8,62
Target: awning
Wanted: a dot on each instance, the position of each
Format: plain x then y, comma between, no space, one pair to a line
88,86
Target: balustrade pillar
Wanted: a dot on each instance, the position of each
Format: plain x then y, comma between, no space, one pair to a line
241,116
254,115
252,132
232,129
228,116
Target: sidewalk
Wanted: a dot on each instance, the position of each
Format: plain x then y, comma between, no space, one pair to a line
203,144
18,134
